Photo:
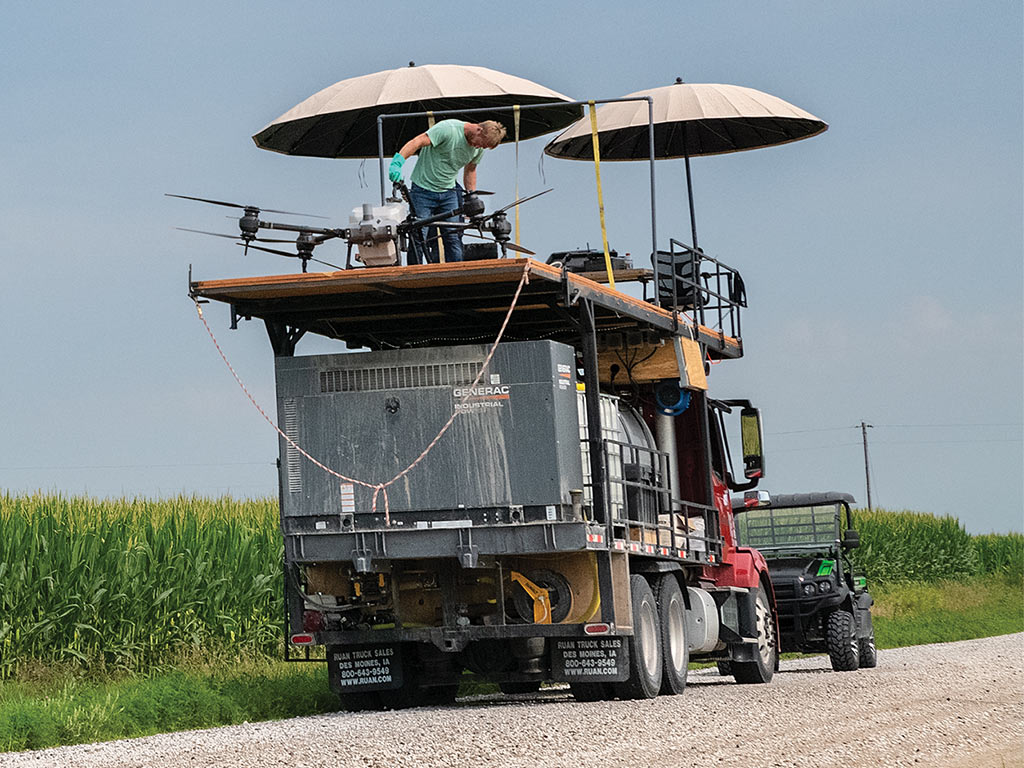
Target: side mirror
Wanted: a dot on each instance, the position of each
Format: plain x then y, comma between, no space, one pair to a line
750,500
851,539
753,450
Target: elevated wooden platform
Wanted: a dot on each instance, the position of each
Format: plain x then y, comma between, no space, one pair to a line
441,304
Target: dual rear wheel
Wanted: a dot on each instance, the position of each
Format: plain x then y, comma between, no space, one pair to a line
658,651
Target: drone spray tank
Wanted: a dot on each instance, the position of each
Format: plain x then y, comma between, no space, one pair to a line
374,230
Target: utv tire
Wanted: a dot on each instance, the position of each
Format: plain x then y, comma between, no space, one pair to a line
868,652
645,656
762,668
675,651
841,641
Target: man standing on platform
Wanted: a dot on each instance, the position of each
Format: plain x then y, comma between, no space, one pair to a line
444,150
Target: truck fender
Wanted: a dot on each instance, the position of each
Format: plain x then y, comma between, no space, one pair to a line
748,566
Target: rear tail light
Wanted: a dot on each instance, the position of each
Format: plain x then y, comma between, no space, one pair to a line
302,639
597,629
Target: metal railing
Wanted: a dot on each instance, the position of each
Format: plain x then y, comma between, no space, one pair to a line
688,280
643,509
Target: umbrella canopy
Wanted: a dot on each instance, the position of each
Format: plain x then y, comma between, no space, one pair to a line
689,120
341,120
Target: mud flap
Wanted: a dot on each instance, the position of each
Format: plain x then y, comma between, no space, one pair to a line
862,603
355,668
738,622
597,660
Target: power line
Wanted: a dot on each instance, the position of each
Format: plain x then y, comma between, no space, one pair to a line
946,425
805,431
894,442
891,426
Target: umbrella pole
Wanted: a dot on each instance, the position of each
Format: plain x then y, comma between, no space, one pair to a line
380,157
689,194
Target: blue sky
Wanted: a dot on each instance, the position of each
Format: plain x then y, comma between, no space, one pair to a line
883,259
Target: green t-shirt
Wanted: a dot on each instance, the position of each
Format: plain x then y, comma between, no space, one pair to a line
447,154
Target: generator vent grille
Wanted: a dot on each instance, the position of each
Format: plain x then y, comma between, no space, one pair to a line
292,460
399,377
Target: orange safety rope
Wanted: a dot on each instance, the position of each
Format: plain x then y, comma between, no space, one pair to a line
377,487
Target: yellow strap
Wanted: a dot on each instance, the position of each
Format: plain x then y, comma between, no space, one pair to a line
440,243
600,197
515,115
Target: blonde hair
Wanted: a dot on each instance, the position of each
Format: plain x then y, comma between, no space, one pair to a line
492,132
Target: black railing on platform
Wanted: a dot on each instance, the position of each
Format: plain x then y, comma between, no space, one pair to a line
690,281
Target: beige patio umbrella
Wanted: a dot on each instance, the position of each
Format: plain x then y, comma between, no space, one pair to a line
341,120
690,119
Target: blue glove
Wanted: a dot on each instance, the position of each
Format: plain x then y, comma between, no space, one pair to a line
395,170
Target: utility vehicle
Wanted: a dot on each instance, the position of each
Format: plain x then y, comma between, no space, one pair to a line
806,539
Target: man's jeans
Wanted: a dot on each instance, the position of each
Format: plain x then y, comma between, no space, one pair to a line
426,203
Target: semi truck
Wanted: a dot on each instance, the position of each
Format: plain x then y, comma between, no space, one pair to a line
515,470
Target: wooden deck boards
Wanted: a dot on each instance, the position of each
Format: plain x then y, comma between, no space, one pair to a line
356,304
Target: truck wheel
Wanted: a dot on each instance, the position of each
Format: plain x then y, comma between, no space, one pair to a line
645,656
674,649
559,593
868,652
841,641
762,668
724,668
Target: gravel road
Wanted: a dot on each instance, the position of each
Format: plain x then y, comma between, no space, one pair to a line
954,705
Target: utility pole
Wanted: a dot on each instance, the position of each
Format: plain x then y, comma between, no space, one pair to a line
867,474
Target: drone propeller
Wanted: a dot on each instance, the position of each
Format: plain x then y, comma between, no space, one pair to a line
232,237
519,202
302,256
510,246
244,207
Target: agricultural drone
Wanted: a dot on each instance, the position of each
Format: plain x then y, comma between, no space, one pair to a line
378,233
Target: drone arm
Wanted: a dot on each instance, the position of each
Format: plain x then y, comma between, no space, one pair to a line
430,219
327,233
331,234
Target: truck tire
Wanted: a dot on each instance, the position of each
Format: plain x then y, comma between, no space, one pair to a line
675,652
762,668
868,652
559,593
841,641
645,656
724,668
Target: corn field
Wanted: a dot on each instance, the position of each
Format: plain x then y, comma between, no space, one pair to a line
134,584
899,546
129,583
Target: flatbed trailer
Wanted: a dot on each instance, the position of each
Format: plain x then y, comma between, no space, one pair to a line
555,506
